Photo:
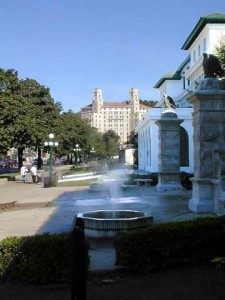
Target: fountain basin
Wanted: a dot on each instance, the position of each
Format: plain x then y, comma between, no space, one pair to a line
107,223
99,187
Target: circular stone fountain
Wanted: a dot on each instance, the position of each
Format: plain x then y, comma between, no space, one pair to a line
106,223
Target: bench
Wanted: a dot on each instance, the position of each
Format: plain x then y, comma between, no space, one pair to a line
143,181
127,186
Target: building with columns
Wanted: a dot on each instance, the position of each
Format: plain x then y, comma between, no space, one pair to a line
122,117
180,85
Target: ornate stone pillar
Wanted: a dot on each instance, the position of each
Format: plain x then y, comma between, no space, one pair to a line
209,142
169,151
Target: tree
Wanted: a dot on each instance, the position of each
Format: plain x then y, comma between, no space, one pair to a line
28,113
68,133
39,115
9,83
74,130
111,141
149,103
220,51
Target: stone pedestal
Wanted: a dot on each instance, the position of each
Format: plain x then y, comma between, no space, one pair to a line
202,196
169,151
50,181
209,141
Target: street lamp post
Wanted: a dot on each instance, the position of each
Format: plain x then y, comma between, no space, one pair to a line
92,151
51,143
76,151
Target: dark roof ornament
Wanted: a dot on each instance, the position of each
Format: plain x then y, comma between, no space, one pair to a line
211,66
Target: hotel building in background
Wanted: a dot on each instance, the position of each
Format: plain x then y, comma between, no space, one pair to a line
122,117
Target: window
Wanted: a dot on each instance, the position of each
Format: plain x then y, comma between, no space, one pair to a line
204,45
184,83
184,148
199,50
194,56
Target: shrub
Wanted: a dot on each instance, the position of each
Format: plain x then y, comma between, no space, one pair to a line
9,249
9,177
219,263
171,245
40,258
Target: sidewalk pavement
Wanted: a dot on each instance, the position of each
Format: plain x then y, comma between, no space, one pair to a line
38,210
31,211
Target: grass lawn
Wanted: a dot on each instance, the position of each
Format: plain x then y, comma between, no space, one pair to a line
8,175
77,182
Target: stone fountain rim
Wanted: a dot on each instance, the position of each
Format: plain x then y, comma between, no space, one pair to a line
81,215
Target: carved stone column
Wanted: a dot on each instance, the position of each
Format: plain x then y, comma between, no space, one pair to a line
209,142
169,151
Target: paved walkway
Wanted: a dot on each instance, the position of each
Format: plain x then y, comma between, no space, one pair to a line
52,210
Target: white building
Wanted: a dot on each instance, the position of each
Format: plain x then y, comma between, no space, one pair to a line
122,117
148,140
179,85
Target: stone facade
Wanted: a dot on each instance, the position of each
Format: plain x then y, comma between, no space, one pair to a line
169,151
209,141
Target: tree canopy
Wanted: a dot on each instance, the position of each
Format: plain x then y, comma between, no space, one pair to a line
73,130
29,114
111,143
149,103
220,51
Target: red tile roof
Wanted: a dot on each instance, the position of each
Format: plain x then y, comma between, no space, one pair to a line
113,104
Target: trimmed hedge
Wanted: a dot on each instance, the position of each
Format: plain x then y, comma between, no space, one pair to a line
38,259
170,245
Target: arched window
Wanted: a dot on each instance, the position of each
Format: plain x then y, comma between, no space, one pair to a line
184,148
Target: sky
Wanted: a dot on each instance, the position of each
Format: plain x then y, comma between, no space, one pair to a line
74,46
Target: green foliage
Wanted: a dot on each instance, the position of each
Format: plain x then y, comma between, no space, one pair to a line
9,83
39,259
27,112
219,262
78,170
171,245
149,103
86,182
9,249
111,141
9,176
220,52
73,130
